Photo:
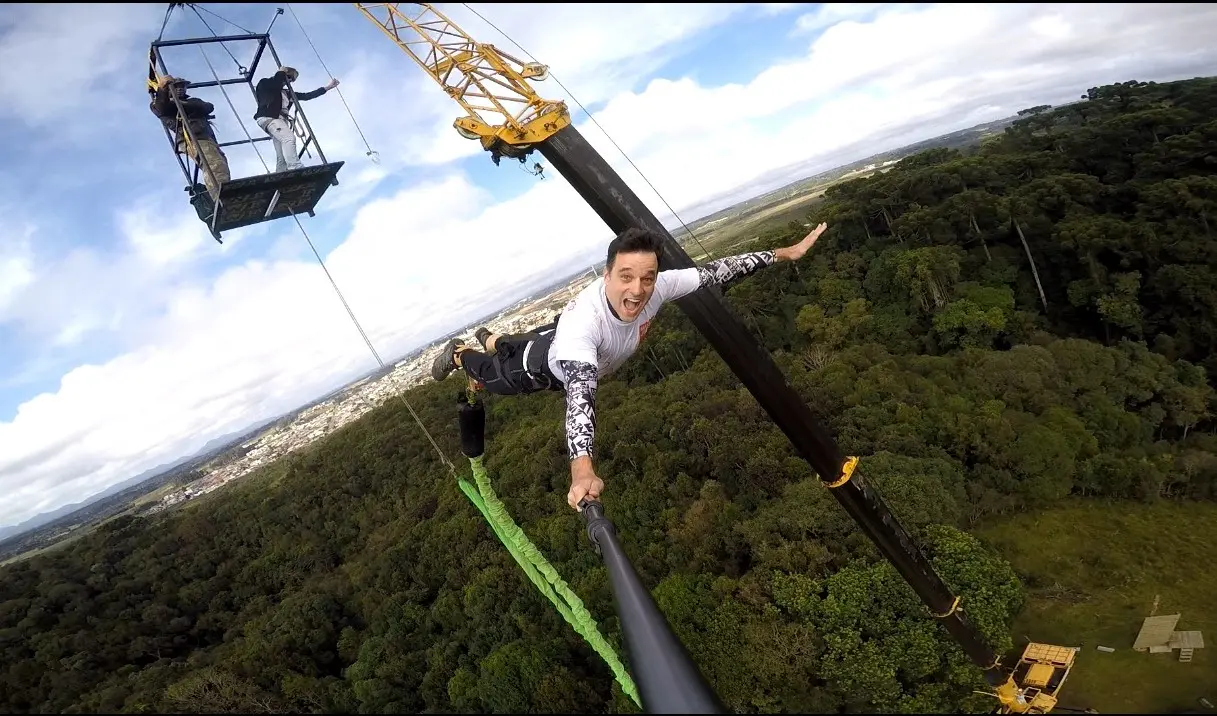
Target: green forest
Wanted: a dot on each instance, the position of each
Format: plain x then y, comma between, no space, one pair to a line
1000,334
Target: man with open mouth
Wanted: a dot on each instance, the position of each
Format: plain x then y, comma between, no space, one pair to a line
595,334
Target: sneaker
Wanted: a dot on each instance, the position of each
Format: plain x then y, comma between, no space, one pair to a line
481,335
445,362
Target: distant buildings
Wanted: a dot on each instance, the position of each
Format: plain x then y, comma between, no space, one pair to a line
325,417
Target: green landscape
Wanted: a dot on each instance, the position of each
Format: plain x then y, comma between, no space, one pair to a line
1097,567
1017,337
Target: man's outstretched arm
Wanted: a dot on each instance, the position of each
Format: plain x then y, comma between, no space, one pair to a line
581,381
314,94
729,268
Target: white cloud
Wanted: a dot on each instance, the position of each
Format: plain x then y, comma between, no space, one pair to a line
158,242
909,74
1052,27
16,265
597,51
62,56
829,14
266,336
455,253
65,299
210,354
776,8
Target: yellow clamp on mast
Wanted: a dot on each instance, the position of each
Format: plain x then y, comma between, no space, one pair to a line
847,471
481,78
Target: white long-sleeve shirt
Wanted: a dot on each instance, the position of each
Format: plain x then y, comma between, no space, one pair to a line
591,342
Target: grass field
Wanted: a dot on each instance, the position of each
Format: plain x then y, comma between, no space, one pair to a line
82,529
1092,570
45,548
727,238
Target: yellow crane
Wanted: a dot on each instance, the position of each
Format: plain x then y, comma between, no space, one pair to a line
481,78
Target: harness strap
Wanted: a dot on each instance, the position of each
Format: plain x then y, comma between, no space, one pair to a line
539,370
527,351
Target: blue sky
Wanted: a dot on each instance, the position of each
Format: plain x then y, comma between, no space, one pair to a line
128,337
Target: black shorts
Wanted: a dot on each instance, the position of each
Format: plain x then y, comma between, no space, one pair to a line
519,364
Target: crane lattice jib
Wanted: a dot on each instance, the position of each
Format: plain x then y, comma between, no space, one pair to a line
490,85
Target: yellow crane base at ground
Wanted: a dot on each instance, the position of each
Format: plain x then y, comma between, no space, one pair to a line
1036,680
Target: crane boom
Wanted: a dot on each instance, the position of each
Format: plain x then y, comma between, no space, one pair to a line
468,69
480,77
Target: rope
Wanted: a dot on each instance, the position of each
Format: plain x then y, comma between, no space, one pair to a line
542,574
375,354
606,134
152,69
443,458
222,18
235,61
539,571
371,153
165,22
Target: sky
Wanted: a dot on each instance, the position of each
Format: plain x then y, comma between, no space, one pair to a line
130,338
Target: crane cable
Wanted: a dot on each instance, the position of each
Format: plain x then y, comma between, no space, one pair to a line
598,126
165,23
371,153
241,70
232,106
538,570
536,567
221,17
375,354
359,327
153,74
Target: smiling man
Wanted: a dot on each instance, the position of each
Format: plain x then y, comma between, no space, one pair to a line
595,334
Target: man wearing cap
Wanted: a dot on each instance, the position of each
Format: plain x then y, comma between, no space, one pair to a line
200,144
274,98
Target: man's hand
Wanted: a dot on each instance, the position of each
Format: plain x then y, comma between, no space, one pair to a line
794,253
333,83
583,482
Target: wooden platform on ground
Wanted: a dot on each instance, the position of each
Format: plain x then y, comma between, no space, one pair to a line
1155,632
